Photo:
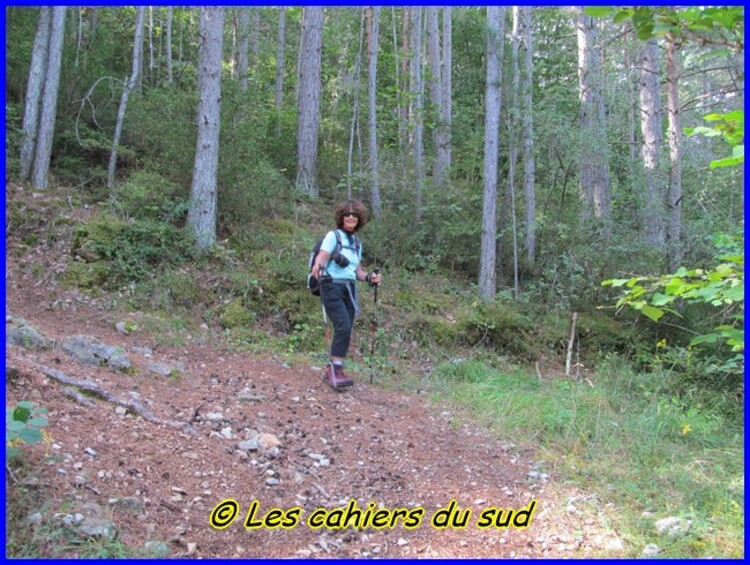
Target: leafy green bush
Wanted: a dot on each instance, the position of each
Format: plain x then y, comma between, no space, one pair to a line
23,425
147,195
132,251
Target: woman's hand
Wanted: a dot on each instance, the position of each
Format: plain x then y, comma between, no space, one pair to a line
374,278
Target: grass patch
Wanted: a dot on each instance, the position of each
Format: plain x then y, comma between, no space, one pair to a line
642,451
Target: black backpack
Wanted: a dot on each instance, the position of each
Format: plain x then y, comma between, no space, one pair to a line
313,284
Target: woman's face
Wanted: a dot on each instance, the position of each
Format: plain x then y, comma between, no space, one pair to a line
350,221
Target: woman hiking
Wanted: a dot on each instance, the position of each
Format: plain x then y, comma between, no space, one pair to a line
338,266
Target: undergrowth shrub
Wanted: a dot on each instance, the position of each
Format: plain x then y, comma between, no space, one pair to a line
129,251
147,195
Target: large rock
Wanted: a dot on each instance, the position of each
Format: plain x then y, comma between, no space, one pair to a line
673,526
20,332
90,351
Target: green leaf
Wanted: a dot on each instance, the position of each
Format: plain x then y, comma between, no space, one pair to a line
661,299
14,426
706,338
646,31
622,15
21,414
651,312
617,282
37,422
30,435
727,162
703,130
736,293
598,11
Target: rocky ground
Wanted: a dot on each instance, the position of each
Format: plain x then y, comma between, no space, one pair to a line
152,445
225,426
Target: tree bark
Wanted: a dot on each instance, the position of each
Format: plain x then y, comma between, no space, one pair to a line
128,87
280,59
243,47
372,86
170,77
416,114
308,112
404,107
35,85
674,194
355,112
594,159
201,220
444,125
528,140
433,60
651,148
513,139
488,255
255,36
46,130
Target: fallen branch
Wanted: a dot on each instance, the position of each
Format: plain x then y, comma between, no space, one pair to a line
94,389
78,397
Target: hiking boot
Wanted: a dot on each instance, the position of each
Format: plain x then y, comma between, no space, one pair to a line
334,376
342,379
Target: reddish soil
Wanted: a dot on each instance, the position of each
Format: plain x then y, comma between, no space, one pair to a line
368,443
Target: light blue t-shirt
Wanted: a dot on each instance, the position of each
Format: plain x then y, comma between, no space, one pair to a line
347,250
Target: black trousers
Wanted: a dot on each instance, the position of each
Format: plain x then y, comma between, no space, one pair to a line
338,301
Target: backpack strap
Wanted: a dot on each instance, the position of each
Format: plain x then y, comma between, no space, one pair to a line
356,244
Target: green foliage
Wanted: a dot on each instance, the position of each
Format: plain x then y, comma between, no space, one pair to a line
148,195
722,286
712,24
730,126
23,425
235,315
175,290
131,251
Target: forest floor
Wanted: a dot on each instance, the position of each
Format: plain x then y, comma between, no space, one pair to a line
316,448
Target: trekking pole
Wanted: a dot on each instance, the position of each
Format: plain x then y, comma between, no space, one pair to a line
374,325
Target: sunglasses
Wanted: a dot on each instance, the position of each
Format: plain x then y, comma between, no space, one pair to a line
352,214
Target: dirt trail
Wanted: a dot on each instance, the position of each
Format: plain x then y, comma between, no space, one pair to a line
266,432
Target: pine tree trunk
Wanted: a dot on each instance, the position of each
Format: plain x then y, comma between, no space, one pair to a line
594,159
308,109
674,195
372,85
280,61
201,220
416,115
652,145
151,45
630,88
404,107
255,36
170,77
48,114
129,85
34,88
513,139
528,140
444,126
433,60
488,255
243,46
355,112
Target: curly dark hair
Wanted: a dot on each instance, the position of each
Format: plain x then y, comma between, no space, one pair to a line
355,206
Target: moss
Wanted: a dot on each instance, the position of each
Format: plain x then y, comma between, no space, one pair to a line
85,275
235,315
